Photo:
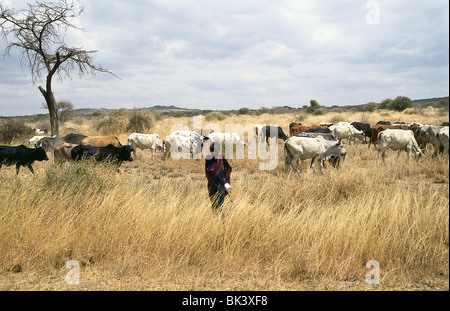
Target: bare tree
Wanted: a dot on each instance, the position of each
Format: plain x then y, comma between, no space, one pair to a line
38,34
64,110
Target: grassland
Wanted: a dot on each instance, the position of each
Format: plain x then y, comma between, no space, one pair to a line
151,227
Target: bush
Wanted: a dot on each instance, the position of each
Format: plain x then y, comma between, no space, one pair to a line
385,103
320,111
369,107
13,129
401,103
110,125
215,115
243,111
140,121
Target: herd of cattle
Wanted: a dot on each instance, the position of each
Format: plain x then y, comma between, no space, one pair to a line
322,142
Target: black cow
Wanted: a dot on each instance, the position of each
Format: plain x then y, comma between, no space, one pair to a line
445,124
21,156
327,136
49,143
365,127
273,132
318,130
383,123
74,138
109,153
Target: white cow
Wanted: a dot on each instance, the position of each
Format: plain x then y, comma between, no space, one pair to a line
318,149
145,141
182,144
442,141
346,131
40,131
398,140
225,140
34,140
341,123
196,140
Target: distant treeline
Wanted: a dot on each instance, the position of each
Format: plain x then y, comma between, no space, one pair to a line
399,104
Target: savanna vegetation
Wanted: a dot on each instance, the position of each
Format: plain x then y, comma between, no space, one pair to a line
151,227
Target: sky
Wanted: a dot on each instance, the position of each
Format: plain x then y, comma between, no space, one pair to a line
229,54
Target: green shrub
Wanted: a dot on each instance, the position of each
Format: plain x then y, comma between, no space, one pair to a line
140,121
400,103
215,115
320,111
243,111
12,129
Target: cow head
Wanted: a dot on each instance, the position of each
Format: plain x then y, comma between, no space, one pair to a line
419,154
124,153
338,149
360,135
41,155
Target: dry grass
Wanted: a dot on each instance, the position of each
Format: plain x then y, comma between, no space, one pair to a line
151,226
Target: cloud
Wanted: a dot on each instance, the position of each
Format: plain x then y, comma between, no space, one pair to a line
214,55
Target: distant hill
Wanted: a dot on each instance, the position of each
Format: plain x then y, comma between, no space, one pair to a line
423,103
158,108
437,102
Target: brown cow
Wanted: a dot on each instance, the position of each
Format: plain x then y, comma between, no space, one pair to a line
102,141
376,129
297,129
62,152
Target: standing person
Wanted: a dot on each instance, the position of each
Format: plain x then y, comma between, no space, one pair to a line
218,172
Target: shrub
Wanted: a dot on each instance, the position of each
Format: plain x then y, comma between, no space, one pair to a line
110,125
369,107
320,111
243,111
215,115
140,121
385,103
401,103
11,129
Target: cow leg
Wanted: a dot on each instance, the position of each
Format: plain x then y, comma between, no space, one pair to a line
291,161
294,163
17,169
408,152
287,164
381,154
313,163
321,162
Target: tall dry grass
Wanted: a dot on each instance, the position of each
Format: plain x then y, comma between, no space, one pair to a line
152,227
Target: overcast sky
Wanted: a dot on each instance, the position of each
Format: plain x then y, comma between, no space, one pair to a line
232,54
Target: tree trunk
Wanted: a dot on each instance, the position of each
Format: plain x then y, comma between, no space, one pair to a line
50,98
52,110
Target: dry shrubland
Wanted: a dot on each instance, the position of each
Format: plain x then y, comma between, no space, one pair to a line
151,227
